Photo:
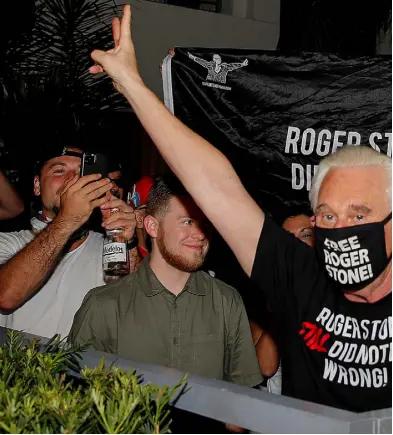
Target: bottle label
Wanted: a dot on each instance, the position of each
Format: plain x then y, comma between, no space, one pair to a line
114,252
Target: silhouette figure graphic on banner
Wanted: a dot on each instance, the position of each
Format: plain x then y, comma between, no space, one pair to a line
218,70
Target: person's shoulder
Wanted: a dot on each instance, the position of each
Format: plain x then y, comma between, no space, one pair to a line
272,229
24,236
213,284
95,238
107,291
112,293
11,243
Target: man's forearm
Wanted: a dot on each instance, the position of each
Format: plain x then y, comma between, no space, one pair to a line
28,269
167,132
268,354
204,171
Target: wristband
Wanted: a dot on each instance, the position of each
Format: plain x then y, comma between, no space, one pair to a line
133,243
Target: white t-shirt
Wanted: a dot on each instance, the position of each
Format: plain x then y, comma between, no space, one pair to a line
51,310
275,382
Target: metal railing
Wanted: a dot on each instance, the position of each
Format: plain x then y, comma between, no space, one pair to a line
252,409
204,5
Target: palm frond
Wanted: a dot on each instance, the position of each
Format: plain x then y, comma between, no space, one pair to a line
65,32
44,78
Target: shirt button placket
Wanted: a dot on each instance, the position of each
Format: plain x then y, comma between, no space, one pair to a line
175,335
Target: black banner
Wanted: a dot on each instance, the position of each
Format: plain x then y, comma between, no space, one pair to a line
275,116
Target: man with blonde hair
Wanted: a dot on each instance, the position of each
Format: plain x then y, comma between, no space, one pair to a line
334,303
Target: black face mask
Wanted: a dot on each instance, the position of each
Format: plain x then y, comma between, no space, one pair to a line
353,256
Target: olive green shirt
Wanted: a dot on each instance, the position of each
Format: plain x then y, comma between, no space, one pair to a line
203,330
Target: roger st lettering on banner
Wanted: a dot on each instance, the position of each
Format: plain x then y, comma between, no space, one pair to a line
323,143
290,120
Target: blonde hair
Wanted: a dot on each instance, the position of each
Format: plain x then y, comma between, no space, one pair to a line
350,156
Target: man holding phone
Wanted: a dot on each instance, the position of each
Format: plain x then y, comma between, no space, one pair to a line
45,272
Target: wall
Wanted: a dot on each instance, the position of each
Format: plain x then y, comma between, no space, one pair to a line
158,27
384,42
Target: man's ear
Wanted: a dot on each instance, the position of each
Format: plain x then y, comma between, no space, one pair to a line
151,226
37,186
312,221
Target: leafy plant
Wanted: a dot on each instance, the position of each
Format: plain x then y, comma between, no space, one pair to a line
43,390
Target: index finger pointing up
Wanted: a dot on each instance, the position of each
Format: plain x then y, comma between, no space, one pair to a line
125,25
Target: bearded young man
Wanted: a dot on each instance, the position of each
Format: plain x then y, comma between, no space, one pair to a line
169,312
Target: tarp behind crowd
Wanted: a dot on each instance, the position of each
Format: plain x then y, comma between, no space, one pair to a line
275,116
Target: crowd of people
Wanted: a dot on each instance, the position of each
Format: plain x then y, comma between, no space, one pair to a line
325,271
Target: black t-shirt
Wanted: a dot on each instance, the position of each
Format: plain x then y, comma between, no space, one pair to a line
334,351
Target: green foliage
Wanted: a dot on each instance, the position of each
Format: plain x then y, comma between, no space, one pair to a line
43,390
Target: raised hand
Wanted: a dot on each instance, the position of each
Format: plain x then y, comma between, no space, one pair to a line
80,197
120,61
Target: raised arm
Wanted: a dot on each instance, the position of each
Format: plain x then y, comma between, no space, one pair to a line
10,203
204,171
26,272
233,66
202,62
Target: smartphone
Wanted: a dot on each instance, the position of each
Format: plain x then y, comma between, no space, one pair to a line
94,164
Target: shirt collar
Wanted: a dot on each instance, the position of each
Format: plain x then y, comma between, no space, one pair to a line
151,285
39,222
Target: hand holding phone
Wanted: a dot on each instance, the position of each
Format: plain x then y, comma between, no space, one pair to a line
81,197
